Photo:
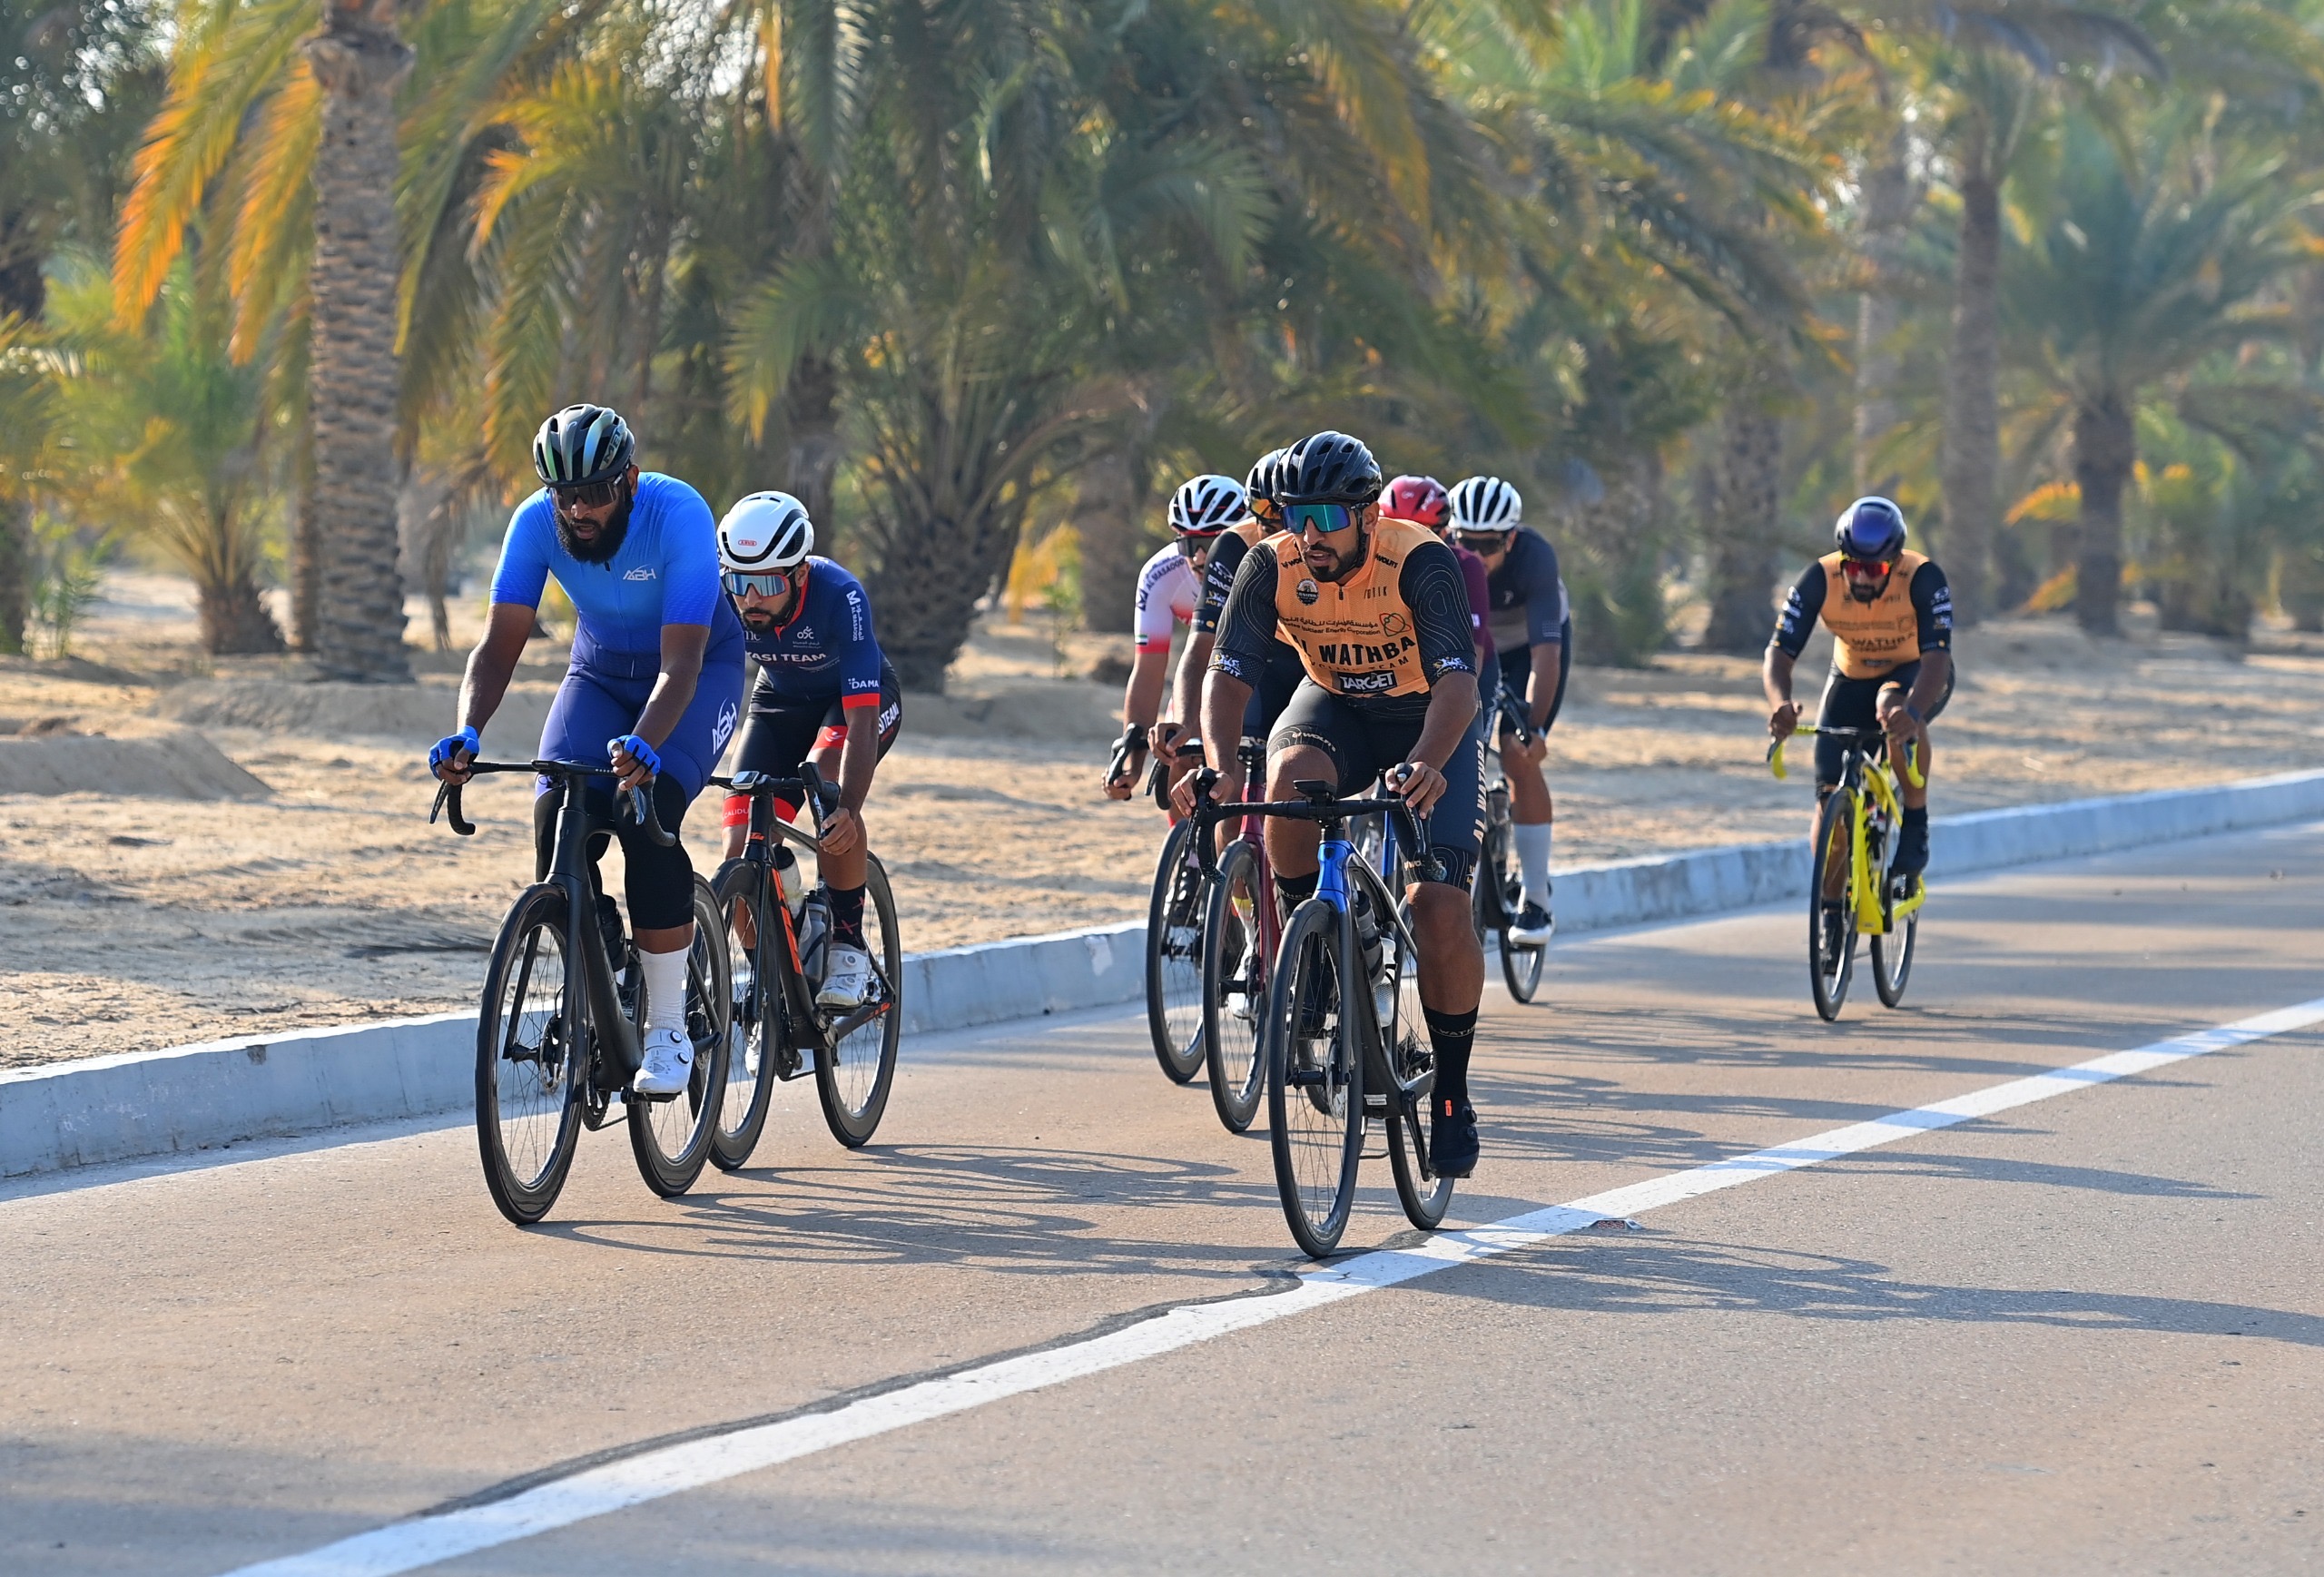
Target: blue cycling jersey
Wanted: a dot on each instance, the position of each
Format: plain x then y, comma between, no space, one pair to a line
665,573
825,651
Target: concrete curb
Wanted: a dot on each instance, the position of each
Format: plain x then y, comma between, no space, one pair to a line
190,1098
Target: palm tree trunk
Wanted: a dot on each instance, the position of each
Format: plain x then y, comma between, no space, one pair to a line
15,572
2106,448
932,572
1972,457
306,556
811,406
1889,199
1746,521
234,618
354,377
1104,513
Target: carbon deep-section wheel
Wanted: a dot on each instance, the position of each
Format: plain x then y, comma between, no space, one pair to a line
1234,986
1174,918
754,1023
1521,962
1315,1078
672,1138
1831,920
528,1063
855,1080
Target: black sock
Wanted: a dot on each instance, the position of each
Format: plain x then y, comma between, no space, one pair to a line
1296,891
847,915
1452,1035
1912,842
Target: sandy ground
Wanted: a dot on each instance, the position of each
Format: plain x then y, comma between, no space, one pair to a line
132,919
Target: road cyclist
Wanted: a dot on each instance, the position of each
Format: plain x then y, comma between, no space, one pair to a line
1890,613
1381,621
1529,618
817,970
653,691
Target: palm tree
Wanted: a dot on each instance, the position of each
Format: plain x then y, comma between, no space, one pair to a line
2153,262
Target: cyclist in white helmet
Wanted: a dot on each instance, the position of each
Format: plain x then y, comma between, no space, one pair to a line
1169,592
825,692
1528,620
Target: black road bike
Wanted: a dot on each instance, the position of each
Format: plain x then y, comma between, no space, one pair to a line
558,1039
1343,1035
1174,954
775,1026
1497,891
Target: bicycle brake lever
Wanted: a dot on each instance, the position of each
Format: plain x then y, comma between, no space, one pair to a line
447,800
641,811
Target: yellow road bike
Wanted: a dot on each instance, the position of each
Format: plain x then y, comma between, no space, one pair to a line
1851,892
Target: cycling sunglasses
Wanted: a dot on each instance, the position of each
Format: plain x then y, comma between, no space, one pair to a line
741,585
1482,541
1327,518
1189,546
1863,568
587,494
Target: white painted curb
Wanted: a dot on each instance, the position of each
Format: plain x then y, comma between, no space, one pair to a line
189,1098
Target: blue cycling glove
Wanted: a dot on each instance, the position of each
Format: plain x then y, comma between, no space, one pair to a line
638,748
466,739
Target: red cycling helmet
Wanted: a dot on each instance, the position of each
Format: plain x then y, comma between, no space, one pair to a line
1419,499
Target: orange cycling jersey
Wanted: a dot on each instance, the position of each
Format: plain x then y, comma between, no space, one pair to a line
1911,614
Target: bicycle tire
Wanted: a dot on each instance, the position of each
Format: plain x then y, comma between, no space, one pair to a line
1174,959
854,1080
1887,951
1828,978
1424,1196
1315,1078
671,1138
525,1185
1495,898
754,1023
1234,988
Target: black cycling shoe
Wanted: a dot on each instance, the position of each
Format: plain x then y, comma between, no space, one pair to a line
1912,850
1452,1146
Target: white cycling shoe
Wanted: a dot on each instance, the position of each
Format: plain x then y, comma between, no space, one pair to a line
847,978
1533,926
669,1064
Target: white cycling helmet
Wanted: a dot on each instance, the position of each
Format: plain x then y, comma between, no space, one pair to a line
1486,503
764,533
1207,505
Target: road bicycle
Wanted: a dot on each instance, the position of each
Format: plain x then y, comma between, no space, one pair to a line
1851,891
557,1042
775,1027
1498,891
1343,1033
1242,927
1173,954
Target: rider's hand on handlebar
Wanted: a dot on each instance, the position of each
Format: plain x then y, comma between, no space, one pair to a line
1191,789
1783,719
842,831
635,762
1127,765
1421,785
450,757
1898,721
1537,748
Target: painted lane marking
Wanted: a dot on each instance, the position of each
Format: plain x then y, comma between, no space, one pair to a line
656,1473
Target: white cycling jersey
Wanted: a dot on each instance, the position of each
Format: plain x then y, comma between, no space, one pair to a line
1167,592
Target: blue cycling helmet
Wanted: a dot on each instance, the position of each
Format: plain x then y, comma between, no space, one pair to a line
1871,530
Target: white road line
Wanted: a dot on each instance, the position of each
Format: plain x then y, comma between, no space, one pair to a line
675,1469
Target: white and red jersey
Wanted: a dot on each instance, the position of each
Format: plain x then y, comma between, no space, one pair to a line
1168,589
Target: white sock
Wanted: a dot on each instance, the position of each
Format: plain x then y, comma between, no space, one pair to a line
1533,862
666,990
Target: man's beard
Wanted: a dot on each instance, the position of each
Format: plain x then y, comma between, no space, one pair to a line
1348,563
608,539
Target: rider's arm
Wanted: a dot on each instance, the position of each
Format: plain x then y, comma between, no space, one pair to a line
1544,591
1430,581
690,593
682,649
1238,657
1932,598
1801,607
1149,672
1185,701
517,582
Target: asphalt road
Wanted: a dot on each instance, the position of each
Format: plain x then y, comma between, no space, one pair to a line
2085,1335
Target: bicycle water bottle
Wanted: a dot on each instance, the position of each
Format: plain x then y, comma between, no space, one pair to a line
788,883
1367,941
814,924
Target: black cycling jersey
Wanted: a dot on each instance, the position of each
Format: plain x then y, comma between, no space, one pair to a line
1525,603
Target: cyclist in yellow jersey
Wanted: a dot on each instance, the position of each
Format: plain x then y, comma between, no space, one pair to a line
1380,617
1890,613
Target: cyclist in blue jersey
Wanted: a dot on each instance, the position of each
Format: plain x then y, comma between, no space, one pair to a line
825,692
1529,621
654,686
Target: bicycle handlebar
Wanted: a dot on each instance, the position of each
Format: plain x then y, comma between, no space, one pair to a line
1410,843
1911,774
641,804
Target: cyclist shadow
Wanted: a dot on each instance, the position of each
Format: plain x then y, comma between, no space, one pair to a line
1626,1275
1029,1209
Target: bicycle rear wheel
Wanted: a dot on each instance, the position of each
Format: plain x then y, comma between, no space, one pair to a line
528,1061
1174,919
1831,922
1234,986
854,1081
754,1022
1315,1078
1892,957
1424,1196
1521,964
671,1138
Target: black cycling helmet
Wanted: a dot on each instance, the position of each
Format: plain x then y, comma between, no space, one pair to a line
1871,530
1259,485
582,444
1327,467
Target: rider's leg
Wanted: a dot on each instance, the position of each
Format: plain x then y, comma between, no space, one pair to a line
1295,847
1912,832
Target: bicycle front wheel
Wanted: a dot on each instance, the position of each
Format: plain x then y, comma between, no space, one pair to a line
1521,962
1234,986
1831,922
671,1138
854,1080
754,1021
528,1060
1174,958
1315,1077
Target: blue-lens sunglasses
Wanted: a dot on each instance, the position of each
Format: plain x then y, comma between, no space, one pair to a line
1327,518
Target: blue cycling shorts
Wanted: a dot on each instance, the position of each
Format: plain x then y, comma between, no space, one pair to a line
605,691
